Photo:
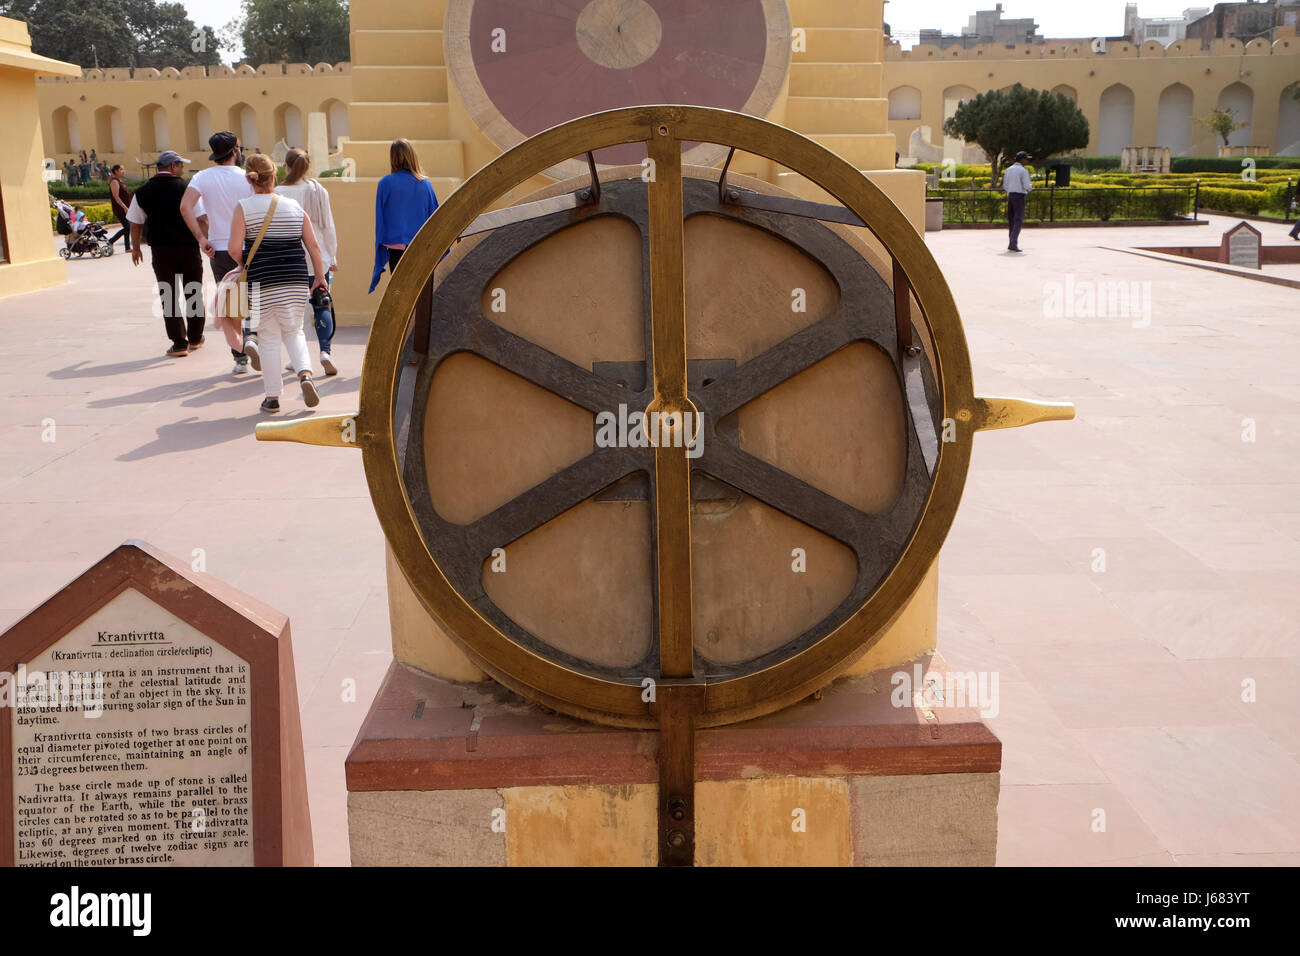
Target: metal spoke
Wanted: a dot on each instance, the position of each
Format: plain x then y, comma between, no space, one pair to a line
542,367
876,539
780,363
564,490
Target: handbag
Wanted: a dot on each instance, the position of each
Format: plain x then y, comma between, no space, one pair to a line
227,295
233,313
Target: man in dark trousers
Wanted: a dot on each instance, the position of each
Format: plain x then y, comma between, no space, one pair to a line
1016,184
174,251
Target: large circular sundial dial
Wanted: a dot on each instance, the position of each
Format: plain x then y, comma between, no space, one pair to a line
522,66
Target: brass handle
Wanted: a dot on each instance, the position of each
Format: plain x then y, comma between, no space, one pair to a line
335,431
993,412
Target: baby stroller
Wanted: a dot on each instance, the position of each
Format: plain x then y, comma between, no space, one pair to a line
93,240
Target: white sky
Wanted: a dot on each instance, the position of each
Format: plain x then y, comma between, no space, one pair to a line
1063,18
214,13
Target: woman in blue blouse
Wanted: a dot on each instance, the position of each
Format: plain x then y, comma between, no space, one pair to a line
404,201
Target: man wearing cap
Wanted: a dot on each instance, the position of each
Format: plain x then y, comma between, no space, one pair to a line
221,187
1016,184
173,251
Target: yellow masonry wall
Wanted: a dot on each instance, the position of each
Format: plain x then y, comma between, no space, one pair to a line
30,261
1147,71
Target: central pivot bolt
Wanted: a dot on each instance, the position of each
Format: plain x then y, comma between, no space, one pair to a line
672,423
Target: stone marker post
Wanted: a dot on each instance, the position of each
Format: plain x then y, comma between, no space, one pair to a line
318,142
149,717
1241,246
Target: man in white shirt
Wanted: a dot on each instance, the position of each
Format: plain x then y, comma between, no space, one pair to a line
1016,184
220,187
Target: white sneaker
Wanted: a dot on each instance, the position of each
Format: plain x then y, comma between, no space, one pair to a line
241,367
328,364
255,357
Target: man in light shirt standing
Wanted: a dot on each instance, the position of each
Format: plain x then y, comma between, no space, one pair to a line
1016,184
220,187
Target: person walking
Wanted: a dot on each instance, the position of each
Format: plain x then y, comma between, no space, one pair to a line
1016,184
174,252
269,232
220,187
119,195
315,201
403,202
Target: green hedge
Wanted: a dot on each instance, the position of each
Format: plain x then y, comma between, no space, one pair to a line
960,170
1088,203
79,193
1107,164
1238,200
87,192
1230,164
1261,201
1090,164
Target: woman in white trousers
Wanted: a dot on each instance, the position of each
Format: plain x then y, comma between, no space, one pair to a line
278,281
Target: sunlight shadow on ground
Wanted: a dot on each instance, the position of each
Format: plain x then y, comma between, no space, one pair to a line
192,433
169,392
246,389
86,370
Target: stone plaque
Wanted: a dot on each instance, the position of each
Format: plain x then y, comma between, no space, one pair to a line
147,722
1241,246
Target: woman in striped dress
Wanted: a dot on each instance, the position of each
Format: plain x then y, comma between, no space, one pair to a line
278,281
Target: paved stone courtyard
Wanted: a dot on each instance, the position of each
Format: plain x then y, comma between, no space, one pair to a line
1129,576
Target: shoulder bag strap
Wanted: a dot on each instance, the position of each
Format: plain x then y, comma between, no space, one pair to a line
270,213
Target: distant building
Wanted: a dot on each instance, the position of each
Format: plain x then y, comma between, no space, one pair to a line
1164,30
986,26
1245,21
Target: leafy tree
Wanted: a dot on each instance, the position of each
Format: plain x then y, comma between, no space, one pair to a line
115,32
1003,122
166,36
300,31
1223,123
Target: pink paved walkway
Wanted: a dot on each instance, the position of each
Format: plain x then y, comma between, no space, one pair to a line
1121,690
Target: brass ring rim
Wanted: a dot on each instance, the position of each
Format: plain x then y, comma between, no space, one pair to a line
727,699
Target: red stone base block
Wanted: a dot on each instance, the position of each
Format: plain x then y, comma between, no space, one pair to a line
867,774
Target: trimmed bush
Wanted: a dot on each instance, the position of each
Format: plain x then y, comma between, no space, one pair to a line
1089,164
1093,202
1230,164
1234,200
90,191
